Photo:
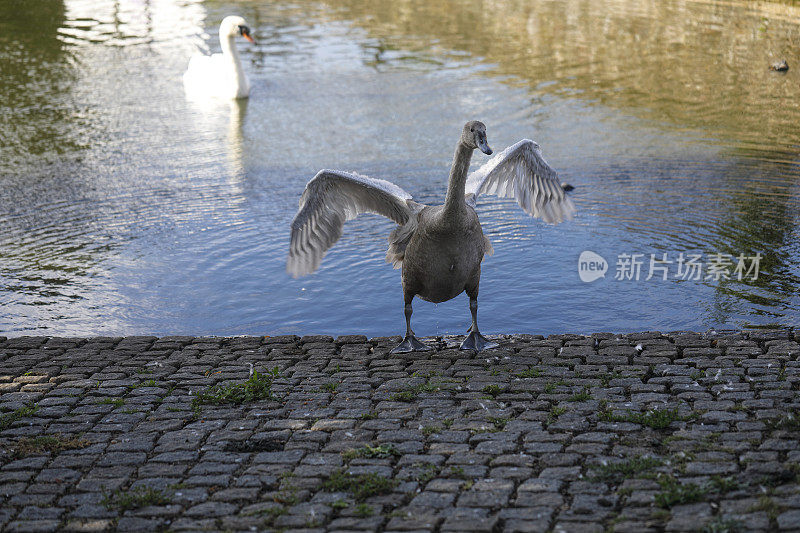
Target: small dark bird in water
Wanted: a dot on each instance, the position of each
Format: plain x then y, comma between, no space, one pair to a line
780,66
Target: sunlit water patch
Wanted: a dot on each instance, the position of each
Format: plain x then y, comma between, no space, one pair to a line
129,209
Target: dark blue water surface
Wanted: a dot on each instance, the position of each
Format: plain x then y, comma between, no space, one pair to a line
127,209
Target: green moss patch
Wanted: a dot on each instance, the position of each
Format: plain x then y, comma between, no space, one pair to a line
360,486
257,387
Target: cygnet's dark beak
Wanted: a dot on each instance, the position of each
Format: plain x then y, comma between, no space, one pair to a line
483,145
244,31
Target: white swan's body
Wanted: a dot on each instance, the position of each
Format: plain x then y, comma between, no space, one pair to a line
222,74
440,248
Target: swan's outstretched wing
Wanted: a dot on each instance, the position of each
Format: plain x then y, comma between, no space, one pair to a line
521,172
332,198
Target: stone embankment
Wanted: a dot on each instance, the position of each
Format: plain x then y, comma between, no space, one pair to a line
636,432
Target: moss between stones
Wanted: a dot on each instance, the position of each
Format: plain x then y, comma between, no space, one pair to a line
618,472
361,486
656,419
257,387
134,499
382,451
9,418
46,444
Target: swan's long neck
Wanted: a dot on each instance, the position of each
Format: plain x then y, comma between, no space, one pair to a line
231,54
454,202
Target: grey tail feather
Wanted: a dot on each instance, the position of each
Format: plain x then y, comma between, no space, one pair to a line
398,240
488,249
401,236
397,246
394,257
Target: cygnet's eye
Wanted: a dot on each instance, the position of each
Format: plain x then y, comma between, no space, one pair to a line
472,129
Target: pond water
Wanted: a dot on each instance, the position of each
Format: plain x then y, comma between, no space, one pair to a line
127,209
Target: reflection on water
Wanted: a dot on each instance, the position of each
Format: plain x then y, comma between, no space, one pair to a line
128,208
36,77
213,115
696,65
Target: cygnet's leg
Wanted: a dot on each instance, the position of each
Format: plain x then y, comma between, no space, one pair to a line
475,341
410,342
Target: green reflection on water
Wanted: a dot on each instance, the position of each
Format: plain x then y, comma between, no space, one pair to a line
40,120
694,65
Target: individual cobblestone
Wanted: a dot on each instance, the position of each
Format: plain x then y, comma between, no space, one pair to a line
638,432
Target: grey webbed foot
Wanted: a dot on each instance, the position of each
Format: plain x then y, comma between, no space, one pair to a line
410,344
476,341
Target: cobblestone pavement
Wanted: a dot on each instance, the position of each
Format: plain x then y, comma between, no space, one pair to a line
639,432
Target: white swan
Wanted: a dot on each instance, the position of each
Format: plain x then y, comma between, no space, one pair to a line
440,248
220,74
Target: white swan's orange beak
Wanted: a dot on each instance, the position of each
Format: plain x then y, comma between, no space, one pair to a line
244,31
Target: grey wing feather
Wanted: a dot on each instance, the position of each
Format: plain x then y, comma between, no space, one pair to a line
330,199
521,172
